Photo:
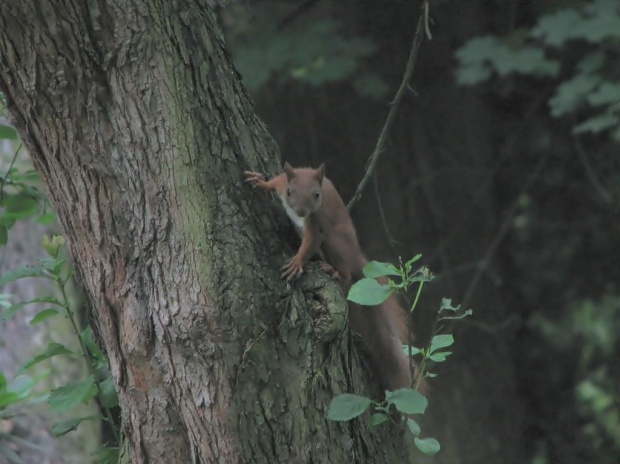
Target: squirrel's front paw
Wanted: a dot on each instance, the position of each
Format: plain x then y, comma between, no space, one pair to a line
255,178
293,269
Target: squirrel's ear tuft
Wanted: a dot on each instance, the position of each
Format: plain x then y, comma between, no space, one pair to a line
320,173
288,169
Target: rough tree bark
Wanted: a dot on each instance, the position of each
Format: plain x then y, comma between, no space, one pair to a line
139,127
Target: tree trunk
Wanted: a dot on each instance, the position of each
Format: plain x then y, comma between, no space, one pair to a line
140,128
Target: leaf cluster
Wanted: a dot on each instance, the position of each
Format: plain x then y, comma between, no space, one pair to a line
99,384
588,76
315,53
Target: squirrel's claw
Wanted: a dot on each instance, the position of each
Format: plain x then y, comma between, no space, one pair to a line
253,177
292,270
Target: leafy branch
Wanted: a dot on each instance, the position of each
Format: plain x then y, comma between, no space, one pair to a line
380,282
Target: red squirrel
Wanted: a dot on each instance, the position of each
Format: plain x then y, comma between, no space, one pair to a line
325,226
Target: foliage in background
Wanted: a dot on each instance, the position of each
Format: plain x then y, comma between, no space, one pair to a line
314,53
564,230
20,195
588,86
15,395
99,383
406,401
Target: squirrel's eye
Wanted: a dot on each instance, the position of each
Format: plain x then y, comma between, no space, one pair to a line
317,194
288,192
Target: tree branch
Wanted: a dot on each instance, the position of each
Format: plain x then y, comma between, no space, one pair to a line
503,230
590,174
422,26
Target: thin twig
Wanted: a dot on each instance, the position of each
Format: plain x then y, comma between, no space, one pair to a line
503,230
400,93
291,17
505,152
392,241
7,172
590,174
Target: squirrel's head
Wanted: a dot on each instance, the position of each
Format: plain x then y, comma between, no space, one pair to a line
304,192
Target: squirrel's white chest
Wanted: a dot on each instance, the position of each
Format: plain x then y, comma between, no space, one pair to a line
297,221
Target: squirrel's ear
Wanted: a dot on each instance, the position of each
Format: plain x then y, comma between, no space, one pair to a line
320,173
288,169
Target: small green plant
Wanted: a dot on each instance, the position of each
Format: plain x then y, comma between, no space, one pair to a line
13,394
98,384
406,401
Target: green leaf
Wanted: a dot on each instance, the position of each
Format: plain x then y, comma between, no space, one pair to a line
4,235
16,390
66,397
414,350
88,339
23,272
369,292
606,94
7,132
428,446
446,305
347,406
107,393
409,264
12,310
375,269
407,401
441,341
107,455
597,124
378,418
53,265
414,427
62,428
43,315
571,93
473,74
46,219
20,206
440,357
53,349
558,27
